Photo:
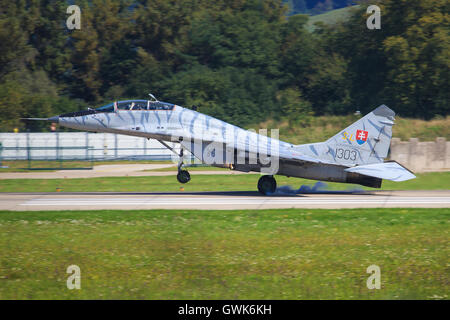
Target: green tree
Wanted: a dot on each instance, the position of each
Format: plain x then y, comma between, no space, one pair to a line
296,52
245,34
15,52
102,51
240,96
294,107
405,64
418,58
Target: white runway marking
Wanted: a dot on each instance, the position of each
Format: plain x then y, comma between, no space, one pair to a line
222,200
230,202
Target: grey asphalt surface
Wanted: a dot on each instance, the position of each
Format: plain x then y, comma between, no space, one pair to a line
222,200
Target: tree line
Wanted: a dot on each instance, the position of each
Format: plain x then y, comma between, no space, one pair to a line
243,61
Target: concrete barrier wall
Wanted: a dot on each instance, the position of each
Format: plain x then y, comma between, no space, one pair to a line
51,146
422,156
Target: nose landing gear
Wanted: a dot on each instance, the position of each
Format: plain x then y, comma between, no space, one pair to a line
183,176
267,185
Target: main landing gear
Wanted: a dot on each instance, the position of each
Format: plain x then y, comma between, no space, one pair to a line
267,185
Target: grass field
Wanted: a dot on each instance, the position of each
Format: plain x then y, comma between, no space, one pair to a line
238,182
265,254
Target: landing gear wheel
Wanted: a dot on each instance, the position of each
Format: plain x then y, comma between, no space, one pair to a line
267,185
183,176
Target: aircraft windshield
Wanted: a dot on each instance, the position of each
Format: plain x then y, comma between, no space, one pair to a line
107,108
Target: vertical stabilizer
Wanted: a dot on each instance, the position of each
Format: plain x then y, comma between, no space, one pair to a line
366,140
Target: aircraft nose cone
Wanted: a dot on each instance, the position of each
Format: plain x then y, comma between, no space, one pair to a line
54,119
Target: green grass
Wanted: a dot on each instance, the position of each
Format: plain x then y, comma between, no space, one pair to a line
254,254
238,182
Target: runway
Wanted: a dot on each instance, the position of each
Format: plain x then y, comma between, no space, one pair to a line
222,200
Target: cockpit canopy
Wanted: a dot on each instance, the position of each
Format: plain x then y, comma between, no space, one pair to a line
136,105
130,105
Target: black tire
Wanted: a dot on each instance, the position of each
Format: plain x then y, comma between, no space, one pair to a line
183,176
267,185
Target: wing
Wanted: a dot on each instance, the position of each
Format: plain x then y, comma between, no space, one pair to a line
218,152
385,170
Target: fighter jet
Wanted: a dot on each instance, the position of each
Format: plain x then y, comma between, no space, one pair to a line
354,155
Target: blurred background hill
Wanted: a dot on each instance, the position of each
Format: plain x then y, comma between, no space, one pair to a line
248,62
315,7
331,17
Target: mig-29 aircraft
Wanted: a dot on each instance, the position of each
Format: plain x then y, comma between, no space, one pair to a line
354,155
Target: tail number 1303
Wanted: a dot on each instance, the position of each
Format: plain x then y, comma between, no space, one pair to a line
346,154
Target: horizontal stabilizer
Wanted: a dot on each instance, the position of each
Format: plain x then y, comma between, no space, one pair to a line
385,170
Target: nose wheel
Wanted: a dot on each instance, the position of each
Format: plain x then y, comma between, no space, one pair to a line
183,176
267,185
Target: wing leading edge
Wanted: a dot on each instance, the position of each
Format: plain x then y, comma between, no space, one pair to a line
385,170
